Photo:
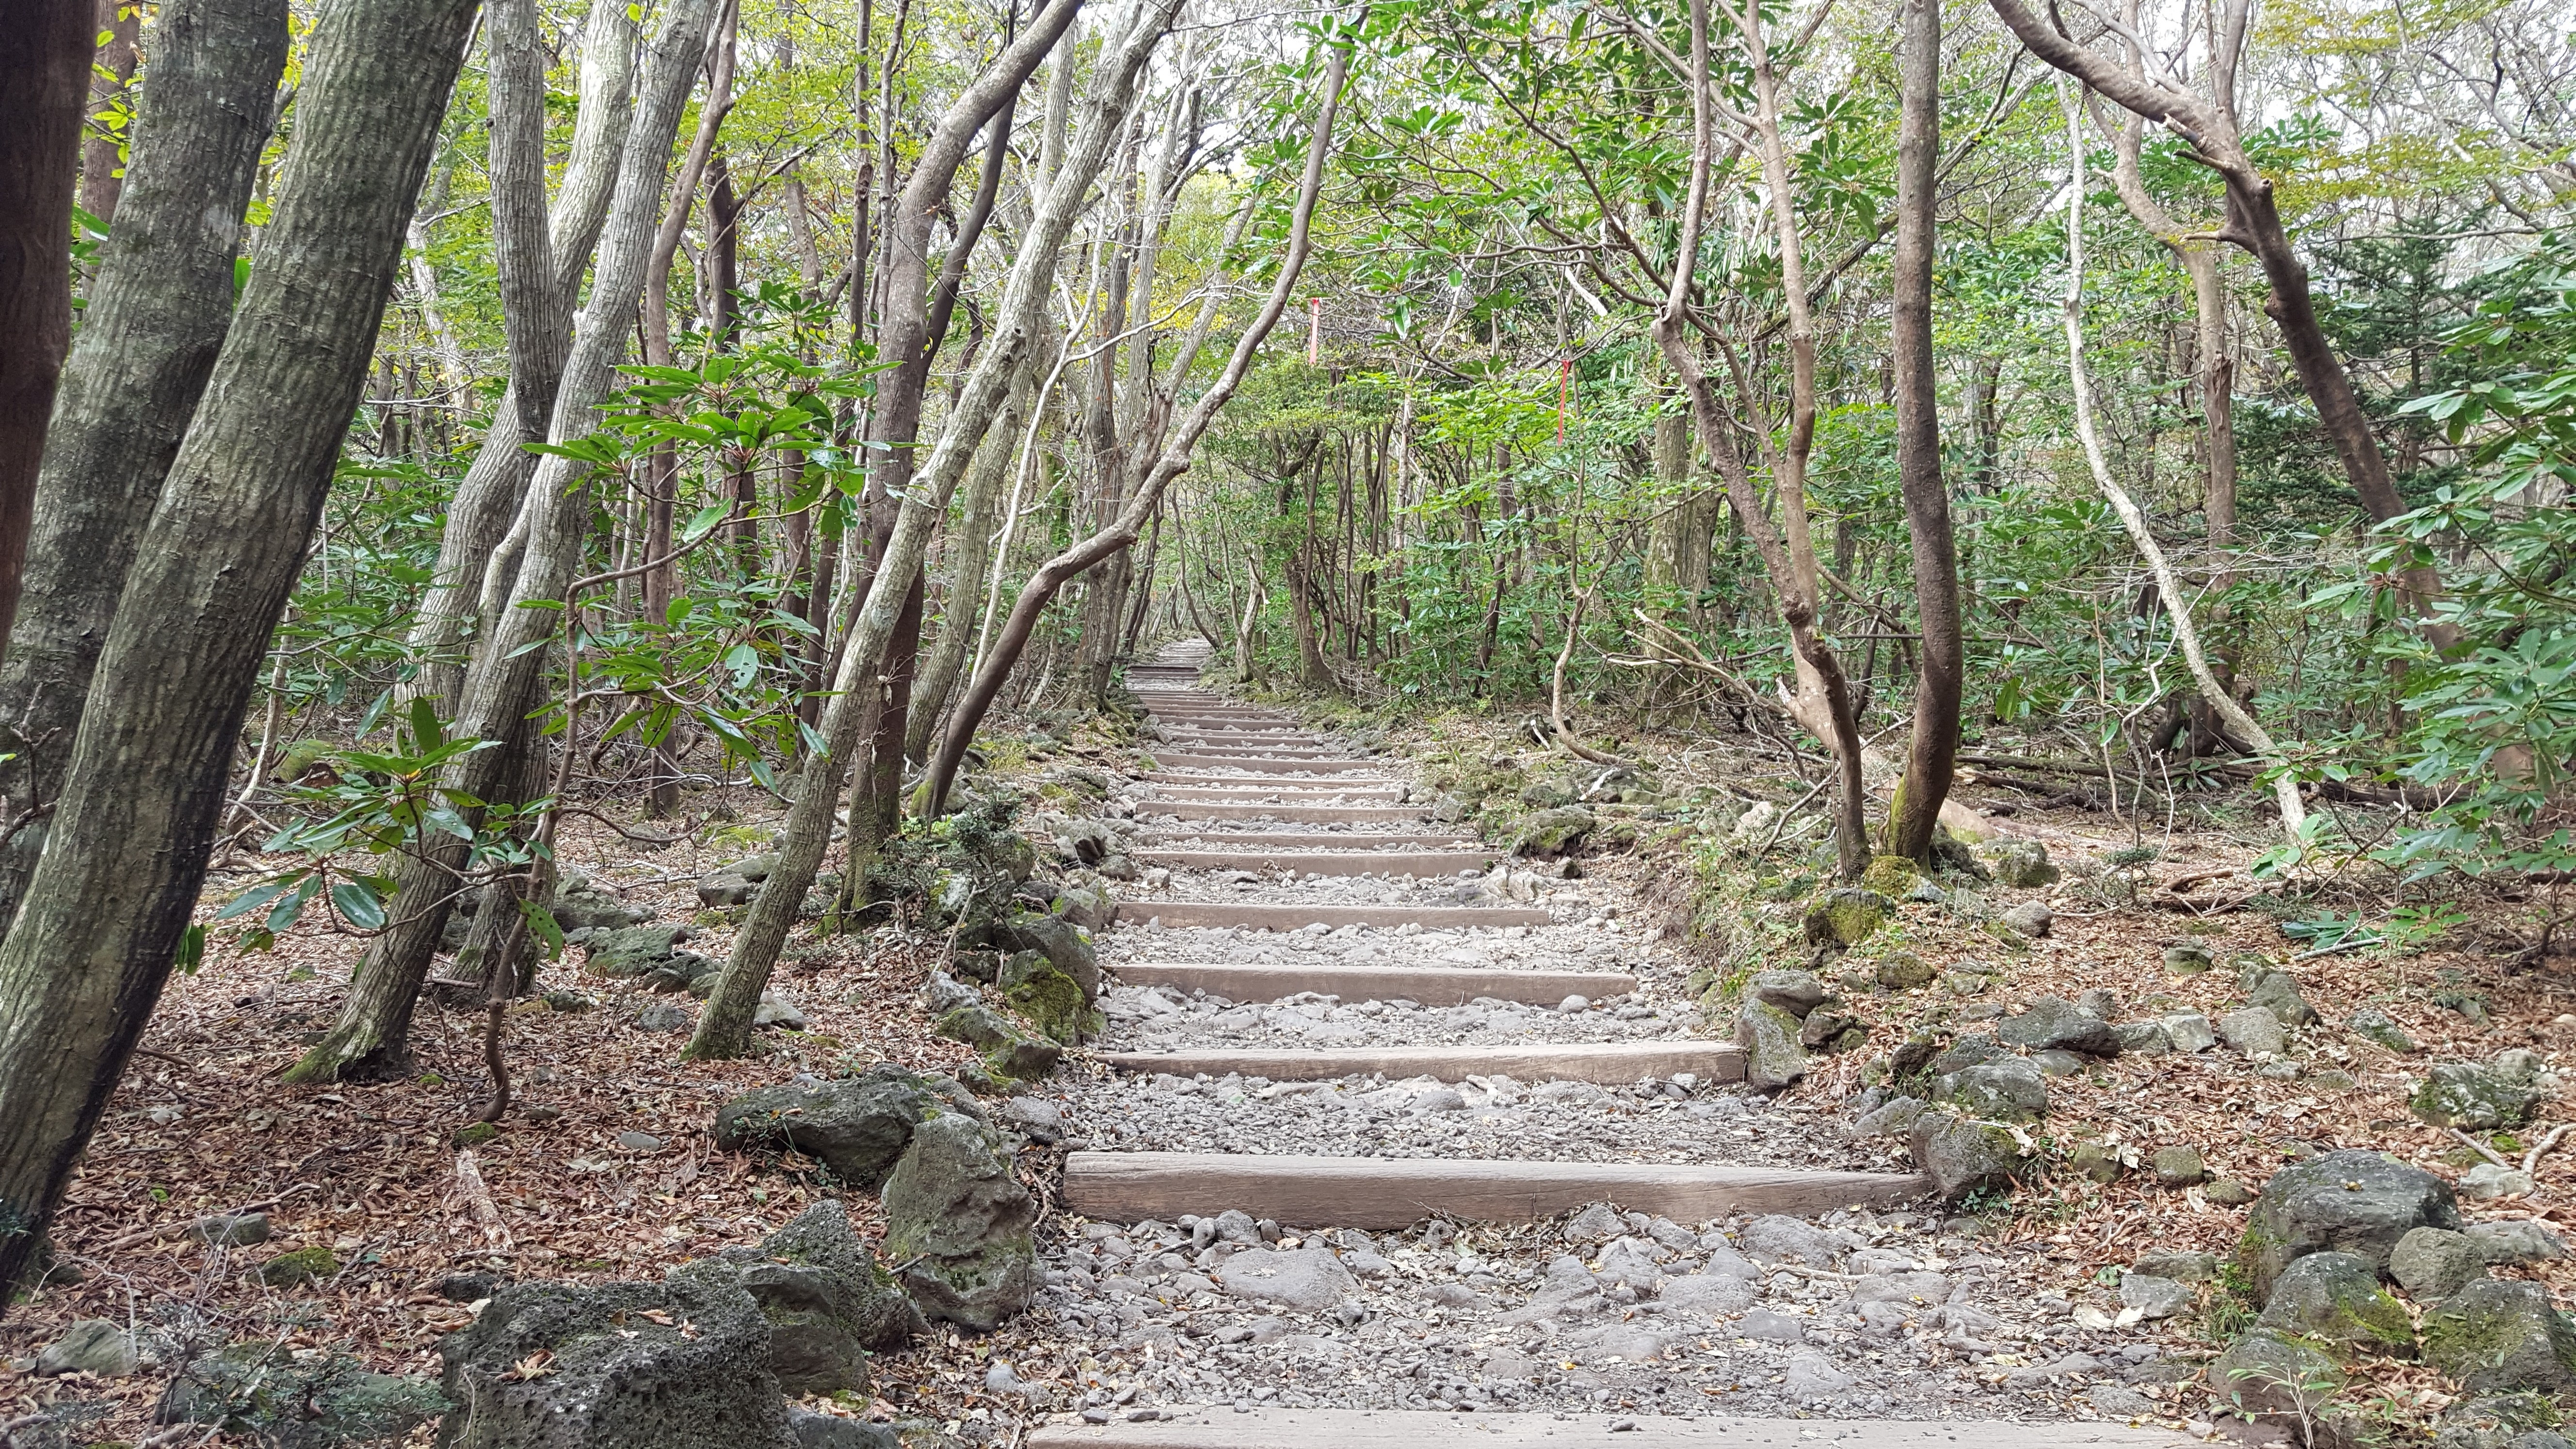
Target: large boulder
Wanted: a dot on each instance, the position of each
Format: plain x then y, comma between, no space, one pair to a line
2054,1024
679,1364
856,1126
91,1346
2352,1201
736,884
1773,1057
959,1220
1047,998
2502,1334
583,904
2479,1098
2335,1298
2010,1090
2433,1263
1962,1155
827,1300
259,1388
627,951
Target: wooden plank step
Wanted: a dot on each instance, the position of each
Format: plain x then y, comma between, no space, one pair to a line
1312,840
1428,985
1391,1192
1608,1064
1268,916
1237,782
1220,1427
1256,794
1257,766
1316,814
1253,743
1388,862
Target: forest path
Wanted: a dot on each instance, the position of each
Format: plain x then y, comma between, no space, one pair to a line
1336,1022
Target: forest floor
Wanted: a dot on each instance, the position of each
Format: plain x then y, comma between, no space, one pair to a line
605,1169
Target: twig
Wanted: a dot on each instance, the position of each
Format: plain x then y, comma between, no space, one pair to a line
469,1183
2481,1149
2338,948
2531,1159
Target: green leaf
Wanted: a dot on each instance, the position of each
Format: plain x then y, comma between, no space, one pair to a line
548,930
192,951
254,898
426,732
704,521
358,905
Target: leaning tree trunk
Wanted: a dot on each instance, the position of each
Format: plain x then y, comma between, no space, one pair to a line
156,316
371,1037
1933,752
107,911
724,1027
45,52
974,544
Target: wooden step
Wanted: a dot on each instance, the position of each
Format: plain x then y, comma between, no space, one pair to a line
1388,862
1285,794
1248,743
1254,765
1390,1192
1220,1427
1313,840
1314,814
1426,985
1608,1064
1268,916
1238,782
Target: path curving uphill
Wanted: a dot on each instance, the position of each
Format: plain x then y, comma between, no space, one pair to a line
1358,1073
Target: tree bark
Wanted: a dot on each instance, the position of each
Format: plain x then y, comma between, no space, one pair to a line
1172,462
489,495
371,1036
108,908
156,318
45,54
101,180
724,1027
1932,753
973,542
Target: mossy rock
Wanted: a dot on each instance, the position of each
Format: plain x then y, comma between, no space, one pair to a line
2465,1094
1008,1050
2335,1298
1891,876
1903,971
304,1265
2502,1335
1845,917
1050,1000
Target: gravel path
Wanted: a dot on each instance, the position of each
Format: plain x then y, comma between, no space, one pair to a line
1895,1313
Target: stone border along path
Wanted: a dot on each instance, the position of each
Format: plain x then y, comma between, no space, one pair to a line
1362,1342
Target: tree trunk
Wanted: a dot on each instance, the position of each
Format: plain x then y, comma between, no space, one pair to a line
724,1027
45,52
488,497
1933,751
108,908
973,542
102,179
370,1036
156,318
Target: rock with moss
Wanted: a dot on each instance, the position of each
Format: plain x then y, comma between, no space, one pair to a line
679,1364
2502,1335
1903,971
583,904
737,883
2475,1097
855,1126
2352,1201
1547,834
2380,1029
629,951
2278,993
959,1220
92,1346
2268,1375
1773,1057
1845,917
1959,1156
2022,864
1795,992
2501,1421
302,1266
2008,1090
1050,1000
2335,1299
261,1390
1008,1049
1892,876
828,1302
1066,945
